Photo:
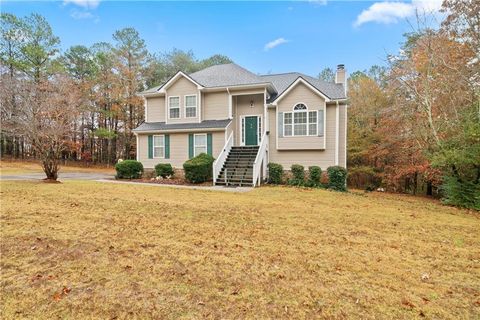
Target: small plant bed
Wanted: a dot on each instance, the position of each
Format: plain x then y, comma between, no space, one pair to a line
171,181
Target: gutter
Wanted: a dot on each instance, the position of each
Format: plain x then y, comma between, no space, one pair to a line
178,130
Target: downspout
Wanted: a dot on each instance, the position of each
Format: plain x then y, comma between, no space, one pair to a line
337,131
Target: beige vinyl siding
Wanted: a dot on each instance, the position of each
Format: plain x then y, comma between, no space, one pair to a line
155,109
215,105
342,161
301,94
180,88
178,149
323,158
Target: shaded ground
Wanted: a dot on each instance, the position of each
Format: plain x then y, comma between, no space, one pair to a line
61,176
30,170
85,249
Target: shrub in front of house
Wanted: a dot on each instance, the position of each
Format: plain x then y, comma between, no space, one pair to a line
275,173
164,170
337,178
129,169
199,168
314,175
298,175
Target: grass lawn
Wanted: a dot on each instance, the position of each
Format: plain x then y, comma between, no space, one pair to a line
90,250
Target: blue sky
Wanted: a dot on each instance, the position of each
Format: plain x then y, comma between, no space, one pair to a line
261,36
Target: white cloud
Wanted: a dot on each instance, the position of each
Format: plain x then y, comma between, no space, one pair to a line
79,15
88,4
274,43
392,12
427,6
318,2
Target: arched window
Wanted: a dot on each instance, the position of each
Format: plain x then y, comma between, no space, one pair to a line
299,107
300,122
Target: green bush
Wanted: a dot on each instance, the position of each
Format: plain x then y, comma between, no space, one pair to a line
164,170
129,169
199,169
298,175
460,193
275,173
314,175
337,178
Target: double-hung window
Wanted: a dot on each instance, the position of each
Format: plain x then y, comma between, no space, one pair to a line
159,146
191,106
300,122
312,123
199,144
174,107
288,124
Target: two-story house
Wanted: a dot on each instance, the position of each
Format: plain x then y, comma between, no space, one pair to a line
244,121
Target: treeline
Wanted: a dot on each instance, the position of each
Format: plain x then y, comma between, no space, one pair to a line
414,126
98,85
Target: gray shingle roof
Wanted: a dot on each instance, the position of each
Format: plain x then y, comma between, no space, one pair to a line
162,126
231,74
283,80
224,75
151,90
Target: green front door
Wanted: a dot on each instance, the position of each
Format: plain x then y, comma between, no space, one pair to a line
251,131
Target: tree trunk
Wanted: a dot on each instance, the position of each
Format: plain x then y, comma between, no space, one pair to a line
50,167
429,188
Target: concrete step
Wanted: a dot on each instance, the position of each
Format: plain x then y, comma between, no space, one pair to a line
234,184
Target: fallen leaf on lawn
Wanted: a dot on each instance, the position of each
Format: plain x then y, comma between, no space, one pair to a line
407,303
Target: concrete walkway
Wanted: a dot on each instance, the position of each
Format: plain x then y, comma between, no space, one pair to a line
208,188
61,176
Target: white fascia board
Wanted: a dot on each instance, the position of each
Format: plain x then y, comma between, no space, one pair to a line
180,130
175,77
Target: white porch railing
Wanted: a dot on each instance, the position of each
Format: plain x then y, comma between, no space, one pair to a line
218,163
261,161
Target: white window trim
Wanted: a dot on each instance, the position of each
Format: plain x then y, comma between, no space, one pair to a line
185,105
195,143
293,122
153,146
242,125
179,108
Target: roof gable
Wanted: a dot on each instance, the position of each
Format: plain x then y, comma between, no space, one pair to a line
298,81
173,79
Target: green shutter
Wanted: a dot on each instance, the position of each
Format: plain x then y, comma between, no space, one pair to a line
280,125
190,146
167,146
209,144
150,147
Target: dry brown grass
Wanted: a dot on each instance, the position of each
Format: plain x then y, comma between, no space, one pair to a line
91,250
13,167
